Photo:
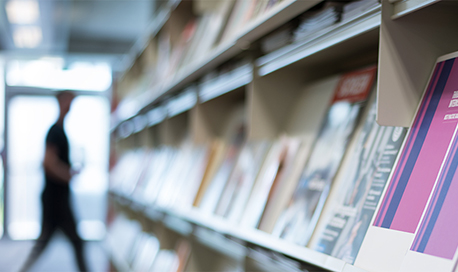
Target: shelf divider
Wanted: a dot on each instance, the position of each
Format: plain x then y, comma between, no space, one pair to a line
409,47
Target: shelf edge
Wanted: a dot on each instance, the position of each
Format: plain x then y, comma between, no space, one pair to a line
260,238
403,8
341,33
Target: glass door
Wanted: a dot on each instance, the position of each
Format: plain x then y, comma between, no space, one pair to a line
87,126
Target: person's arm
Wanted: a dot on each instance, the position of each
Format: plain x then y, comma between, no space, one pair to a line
54,167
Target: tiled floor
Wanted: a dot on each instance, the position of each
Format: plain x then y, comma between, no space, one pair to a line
58,257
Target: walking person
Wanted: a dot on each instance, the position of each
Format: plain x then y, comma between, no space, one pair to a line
57,213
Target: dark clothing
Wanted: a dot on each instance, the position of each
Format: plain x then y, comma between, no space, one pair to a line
56,214
56,194
55,200
57,138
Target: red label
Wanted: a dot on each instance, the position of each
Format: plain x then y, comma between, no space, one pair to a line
355,86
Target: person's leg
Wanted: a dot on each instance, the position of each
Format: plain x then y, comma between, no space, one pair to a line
48,226
68,226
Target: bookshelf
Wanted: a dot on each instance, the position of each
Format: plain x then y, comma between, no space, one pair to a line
273,18
285,92
345,38
228,240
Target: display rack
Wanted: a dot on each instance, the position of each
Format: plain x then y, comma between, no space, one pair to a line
253,31
218,234
277,90
267,22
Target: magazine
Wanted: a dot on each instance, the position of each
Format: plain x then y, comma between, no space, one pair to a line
358,191
298,221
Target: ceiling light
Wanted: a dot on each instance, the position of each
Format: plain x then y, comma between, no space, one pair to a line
22,11
27,36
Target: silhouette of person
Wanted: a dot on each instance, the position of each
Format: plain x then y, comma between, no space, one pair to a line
55,197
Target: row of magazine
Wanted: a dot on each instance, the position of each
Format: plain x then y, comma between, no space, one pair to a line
316,22
181,46
141,251
322,196
194,29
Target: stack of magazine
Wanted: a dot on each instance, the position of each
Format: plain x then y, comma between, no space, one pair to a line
277,39
353,9
314,23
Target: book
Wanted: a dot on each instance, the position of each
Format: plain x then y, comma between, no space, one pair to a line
297,222
183,250
306,130
166,260
414,228
122,233
320,18
163,60
144,175
357,190
125,174
163,164
282,189
135,247
146,254
356,8
215,157
178,51
177,175
276,168
216,187
277,39
241,181
209,27
191,180
236,135
137,179
239,16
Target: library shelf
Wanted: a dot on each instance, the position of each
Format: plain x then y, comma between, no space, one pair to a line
219,234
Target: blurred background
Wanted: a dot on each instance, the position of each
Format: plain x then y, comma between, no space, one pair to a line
53,45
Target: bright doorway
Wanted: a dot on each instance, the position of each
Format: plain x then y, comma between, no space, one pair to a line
87,125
